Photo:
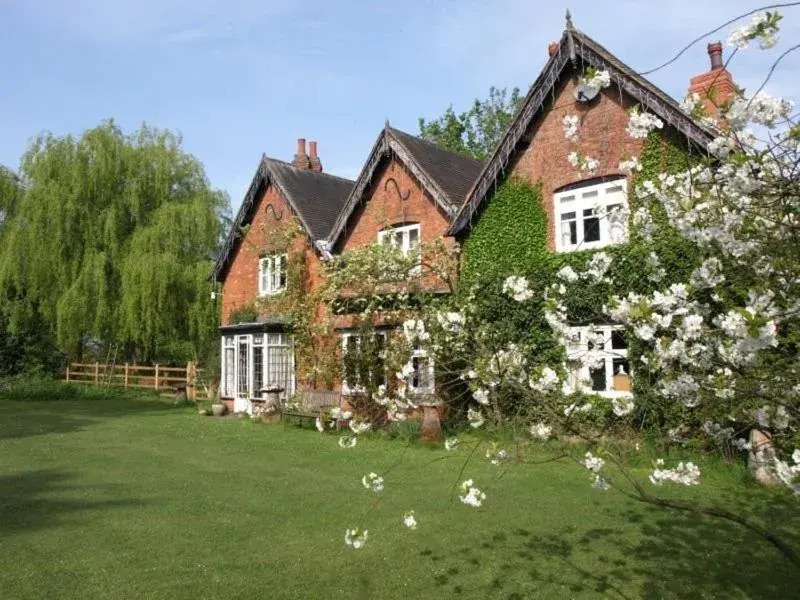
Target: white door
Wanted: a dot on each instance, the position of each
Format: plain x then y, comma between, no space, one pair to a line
241,402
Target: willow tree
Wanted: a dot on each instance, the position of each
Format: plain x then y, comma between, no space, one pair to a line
111,241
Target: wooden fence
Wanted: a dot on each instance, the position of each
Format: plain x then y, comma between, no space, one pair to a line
151,377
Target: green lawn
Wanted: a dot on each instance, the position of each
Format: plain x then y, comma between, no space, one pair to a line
130,497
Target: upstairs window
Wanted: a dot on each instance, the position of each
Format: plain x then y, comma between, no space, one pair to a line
607,370
405,239
272,274
591,216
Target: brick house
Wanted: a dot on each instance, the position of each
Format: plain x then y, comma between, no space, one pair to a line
410,190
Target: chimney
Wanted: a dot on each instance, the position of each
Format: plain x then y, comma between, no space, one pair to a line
552,48
313,159
716,86
301,160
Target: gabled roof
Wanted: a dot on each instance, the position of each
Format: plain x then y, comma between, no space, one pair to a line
446,176
576,50
314,198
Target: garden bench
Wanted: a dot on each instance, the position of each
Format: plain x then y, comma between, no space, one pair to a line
310,404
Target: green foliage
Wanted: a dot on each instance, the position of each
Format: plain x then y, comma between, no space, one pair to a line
112,240
244,314
509,237
474,132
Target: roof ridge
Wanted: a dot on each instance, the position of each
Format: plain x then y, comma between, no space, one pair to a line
309,171
435,145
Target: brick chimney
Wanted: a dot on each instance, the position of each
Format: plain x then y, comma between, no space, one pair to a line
715,87
313,159
301,160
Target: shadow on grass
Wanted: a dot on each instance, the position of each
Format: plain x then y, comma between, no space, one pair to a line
661,554
54,407
34,500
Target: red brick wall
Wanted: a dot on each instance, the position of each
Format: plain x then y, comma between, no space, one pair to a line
240,287
384,208
602,136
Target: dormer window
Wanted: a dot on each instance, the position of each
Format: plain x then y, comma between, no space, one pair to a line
271,274
591,216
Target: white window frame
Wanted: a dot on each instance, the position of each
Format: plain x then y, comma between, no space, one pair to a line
578,346
597,198
404,231
346,335
423,362
272,274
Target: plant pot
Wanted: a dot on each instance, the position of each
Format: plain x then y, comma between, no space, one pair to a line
218,409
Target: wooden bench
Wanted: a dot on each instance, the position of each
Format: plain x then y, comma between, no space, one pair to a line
310,404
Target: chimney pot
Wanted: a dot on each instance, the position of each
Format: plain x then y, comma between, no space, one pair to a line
301,146
715,54
313,160
552,48
301,158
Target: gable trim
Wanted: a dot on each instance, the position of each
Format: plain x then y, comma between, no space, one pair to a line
578,49
386,145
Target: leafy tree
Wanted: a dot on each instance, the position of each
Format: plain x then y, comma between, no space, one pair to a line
474,132
111,241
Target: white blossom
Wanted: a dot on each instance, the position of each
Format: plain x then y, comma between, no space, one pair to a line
640,123
593,463
472,495
597,79
356,537
451,322
763,26
622,406
319,424
567,273
451,443
347,441
541,431
358,427
409,520
630,164
373,482
475,418
571,124
517,287
547,381
685,474
600,483
481,396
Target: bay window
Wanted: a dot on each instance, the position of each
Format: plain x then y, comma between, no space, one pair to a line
591,216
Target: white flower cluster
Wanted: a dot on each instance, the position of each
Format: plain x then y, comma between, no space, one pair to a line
593,463
472,495
657,272
547,381
414,331
685,474
451,322
409,520
571,124
709,274
356,537
475,418
640,124
721,146
541,431
373,482
517,287
772,417
584,163
481,396
790,475
622,406
693,105
762,109
583,408
595,269
495,457
763,26
451,443
596,79
630,164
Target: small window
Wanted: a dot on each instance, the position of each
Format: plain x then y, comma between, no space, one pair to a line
593,217
608,373
422,378
272,274
406,239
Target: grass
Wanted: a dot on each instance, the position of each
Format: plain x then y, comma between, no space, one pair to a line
115,495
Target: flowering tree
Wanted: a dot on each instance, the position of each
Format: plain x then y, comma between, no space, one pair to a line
715,355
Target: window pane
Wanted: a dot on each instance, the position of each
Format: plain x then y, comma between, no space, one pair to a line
281,271
413,238
569,233
258,369
228,372
618,341
591,226
621,379
598,377
243,369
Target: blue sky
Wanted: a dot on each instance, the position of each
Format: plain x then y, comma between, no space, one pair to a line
242,77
